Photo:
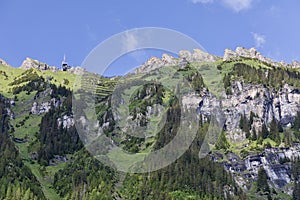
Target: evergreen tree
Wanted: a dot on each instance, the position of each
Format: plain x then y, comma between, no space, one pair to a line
296,125
254,135
296,191
262,181
296,177
264,131
222,142
245,125
274,132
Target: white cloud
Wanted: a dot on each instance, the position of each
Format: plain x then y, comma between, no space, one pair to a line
202,1
130,42
130,45
259,40
274,11
235,5
238,5
92,36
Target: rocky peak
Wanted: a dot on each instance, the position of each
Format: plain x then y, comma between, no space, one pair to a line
184,56
29,63
3,62
149,65
230,55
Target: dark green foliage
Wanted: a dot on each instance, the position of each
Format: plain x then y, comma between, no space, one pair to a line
16,180
55,139
59,91
169,131
296,170
148,95
267,145
284,160
196,81
276,76
274,131
296,124
296,177
262,181
227,84
222,142
288,141
252,115
193,76
254,135
32,82
201,177
3,73
264,131
132,144
296,191
245,125
85,176
104,114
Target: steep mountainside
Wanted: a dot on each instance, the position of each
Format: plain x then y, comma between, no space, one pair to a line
245,107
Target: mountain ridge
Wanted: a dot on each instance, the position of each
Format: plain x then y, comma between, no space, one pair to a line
184,56
261,102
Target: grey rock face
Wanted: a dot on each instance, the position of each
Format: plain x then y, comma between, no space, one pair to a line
44,107
264,102
39,109
66,121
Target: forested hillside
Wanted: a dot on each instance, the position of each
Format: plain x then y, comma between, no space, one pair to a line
255,154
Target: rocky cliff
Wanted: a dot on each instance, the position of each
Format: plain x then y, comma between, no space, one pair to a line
265,103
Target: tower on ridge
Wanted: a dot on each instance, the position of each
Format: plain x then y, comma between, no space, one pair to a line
64,64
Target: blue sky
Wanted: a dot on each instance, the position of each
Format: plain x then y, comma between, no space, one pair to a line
46,30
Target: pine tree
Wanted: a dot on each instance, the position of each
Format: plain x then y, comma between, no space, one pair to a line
296,191
264,131
27,194
222,142
254,135
274,132
262,181
296,125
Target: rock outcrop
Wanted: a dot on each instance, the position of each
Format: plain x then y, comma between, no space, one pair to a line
3,62
230,55
66,121
29,63
44,107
